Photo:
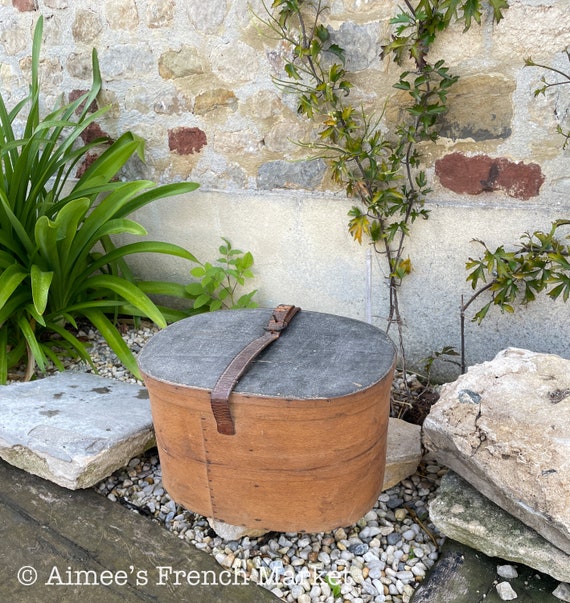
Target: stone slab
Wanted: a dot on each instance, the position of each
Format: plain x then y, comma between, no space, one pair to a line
463,575
460,512
404,451
65,539
74,428
504,426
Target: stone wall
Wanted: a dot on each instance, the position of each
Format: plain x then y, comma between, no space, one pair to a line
194,79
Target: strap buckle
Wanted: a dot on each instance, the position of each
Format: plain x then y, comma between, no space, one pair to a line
281,317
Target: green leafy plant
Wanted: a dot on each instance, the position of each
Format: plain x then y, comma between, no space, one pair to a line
540,262
58,263
219,284
446,354
379,168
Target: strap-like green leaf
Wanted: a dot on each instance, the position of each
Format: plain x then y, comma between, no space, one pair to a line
75,343
110,162
45,233
134,248
126,290
114,339
20,231
3,356
10,279
33,344
158,192
41,282
106,210
67,222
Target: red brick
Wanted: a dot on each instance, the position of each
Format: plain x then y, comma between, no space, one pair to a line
87,161
25,5
186,141
481,173
75,94
93,131
519,180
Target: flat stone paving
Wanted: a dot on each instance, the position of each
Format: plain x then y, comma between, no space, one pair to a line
74,429
60,545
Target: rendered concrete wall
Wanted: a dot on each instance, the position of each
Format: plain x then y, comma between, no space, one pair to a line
305,256
194,79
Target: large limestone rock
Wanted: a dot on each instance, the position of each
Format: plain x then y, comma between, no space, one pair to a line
74,429
505,428
463,514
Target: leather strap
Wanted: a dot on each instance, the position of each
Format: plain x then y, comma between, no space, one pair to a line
219,397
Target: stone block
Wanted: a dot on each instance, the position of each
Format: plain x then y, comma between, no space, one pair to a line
86,26
460,512
206,16
184,62
122,14
215,99
160,13
284,174
504,427
468,118
74,429
404,451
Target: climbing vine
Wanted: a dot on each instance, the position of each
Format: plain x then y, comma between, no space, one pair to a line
378,165
539,263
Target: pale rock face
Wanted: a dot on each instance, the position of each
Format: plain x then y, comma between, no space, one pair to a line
505,428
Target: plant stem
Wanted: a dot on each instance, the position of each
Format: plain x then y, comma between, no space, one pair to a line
463,309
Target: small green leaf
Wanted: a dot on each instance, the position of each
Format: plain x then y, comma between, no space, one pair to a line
194,289
201,300
198,271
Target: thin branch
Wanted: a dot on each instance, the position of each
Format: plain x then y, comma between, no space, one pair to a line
477,294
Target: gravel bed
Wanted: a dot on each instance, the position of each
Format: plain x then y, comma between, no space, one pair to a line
381,558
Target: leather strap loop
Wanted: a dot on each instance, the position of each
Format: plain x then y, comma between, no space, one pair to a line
219,397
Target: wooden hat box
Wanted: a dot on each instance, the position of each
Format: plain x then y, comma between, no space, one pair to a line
310,418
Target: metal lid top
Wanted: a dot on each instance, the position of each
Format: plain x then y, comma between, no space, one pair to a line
317,356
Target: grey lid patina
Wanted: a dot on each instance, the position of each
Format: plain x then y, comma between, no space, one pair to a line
317,356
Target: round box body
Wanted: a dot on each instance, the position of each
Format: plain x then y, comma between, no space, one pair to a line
310,415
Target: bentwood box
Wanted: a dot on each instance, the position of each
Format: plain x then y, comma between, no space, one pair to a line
271,419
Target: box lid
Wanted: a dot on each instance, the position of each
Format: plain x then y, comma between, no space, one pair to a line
318,355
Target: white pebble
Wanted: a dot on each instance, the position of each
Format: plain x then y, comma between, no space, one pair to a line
562,592
419,570
505,591
507,571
